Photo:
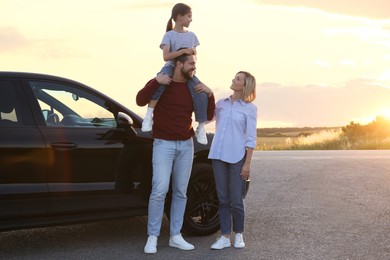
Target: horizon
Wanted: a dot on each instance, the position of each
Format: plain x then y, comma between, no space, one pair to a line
317,64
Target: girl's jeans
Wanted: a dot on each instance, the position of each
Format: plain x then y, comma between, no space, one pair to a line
200,99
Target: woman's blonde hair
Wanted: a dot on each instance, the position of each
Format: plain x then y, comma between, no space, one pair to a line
249,90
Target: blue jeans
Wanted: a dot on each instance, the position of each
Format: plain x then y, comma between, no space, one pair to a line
230,190
169,158
200,99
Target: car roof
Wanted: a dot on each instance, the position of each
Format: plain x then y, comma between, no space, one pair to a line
18,74
33,75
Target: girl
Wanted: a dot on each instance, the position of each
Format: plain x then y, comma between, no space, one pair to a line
176,41
231,154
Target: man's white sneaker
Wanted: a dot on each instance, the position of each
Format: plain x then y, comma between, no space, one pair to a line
151,245
179,242
221,243
147,124
201,137
239,241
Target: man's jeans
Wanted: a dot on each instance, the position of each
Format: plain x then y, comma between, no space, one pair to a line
169,158
230,189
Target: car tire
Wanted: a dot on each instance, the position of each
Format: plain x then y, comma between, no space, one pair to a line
201,215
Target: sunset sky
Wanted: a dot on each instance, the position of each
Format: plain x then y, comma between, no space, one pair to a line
317,63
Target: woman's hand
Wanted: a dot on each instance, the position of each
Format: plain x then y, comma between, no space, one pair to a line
203,88
245,171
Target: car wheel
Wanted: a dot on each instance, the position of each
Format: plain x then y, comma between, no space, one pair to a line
201,215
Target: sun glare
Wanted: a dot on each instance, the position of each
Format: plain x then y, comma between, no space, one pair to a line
385,113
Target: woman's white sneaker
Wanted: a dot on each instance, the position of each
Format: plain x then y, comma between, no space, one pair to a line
221,243
239,241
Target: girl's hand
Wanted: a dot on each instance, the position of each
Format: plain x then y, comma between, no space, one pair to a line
163,79
189,51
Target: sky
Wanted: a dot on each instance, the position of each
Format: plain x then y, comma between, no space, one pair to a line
317,63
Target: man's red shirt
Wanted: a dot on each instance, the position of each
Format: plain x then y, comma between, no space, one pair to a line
173,114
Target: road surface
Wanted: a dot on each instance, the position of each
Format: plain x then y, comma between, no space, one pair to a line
301,205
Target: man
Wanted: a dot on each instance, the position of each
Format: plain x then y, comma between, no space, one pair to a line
173,148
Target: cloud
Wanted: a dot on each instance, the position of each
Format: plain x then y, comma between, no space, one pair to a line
385,76
315,105
322,63
148,5
376,9
348,62
56,49
11,39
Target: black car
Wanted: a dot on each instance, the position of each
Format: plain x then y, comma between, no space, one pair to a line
69,154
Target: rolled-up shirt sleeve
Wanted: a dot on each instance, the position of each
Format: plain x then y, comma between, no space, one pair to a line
145,94
251,128
211,107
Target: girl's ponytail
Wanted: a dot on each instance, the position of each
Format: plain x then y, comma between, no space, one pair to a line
169,25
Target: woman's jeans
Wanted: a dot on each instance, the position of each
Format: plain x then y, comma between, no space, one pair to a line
200,99
231,190
169,158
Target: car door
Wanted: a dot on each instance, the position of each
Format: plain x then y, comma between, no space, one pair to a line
23,158
79,126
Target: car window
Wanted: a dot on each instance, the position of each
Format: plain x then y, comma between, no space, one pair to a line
9,108
68,106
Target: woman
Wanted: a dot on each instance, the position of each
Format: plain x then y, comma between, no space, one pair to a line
231,153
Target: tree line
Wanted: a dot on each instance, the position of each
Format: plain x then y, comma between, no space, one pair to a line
377,129
375,135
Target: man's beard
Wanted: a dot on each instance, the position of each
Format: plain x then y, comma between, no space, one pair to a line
188,74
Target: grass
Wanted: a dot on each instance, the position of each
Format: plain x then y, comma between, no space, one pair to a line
269,143
373,136
327,139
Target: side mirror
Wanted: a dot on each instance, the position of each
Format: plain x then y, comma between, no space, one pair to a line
124,119
125,122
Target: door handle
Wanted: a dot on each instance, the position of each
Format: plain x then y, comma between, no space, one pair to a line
64,146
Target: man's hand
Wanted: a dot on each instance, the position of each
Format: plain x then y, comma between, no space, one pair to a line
163,79
203,88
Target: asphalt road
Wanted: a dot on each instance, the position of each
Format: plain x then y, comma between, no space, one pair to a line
301,205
